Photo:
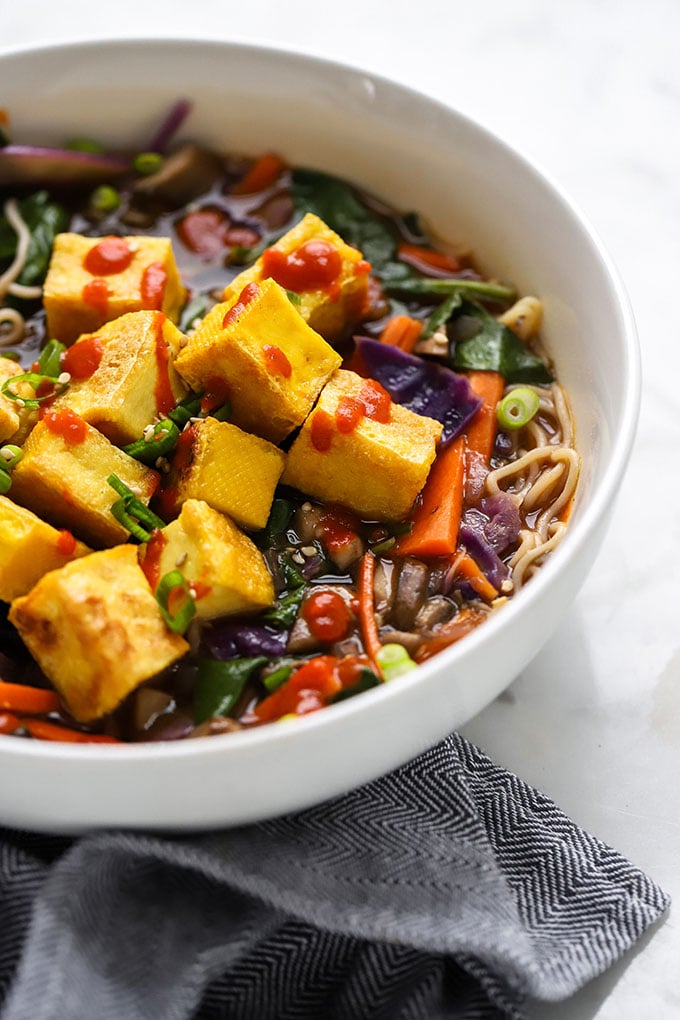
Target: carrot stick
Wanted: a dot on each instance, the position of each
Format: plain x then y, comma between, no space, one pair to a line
425,257
437,519
8,722
465,566
481,432
369,626
402,331
33,700
261,175
52,731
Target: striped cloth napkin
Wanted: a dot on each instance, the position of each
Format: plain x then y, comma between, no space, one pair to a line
448,888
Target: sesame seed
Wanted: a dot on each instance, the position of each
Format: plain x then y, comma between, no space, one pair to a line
181,560
308,550
6,454
148,433
306,507
507,586
163,464
64,378
297,557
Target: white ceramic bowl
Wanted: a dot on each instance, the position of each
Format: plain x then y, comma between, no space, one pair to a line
417,154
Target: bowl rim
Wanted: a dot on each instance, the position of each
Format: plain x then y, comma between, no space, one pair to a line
590,517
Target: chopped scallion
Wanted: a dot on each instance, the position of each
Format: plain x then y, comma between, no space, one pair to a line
36,380
517,408
394,661
5,481
177,604
105,198
147,163
160,444
50,358
10,456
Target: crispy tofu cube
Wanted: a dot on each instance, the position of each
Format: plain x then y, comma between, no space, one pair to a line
268,362
30,548
11,413
376,468
331,309
134,381
223,566
234,472
92,280
62,478
96,630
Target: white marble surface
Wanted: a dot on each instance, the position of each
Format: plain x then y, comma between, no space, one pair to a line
591,91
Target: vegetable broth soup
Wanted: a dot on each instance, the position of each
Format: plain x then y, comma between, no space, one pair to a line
264,445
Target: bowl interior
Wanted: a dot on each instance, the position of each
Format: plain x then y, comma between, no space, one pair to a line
470,188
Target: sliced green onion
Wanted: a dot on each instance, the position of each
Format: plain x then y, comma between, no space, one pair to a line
34,379
5,482
199,305
517,408
394,661
222,413
190,407
161,443
10,355
134,515
385,545
50,358
179,619
10,456
294,297
277,678
105,198
85,145
147,163
120,511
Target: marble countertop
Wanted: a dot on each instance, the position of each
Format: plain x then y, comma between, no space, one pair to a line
591,92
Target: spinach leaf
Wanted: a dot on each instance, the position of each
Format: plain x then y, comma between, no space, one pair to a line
441,315
367,679
335,203
199,306
219,685
280,517
45,219
444,286
488,345
283,614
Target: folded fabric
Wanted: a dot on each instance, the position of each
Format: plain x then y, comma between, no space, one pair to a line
448,888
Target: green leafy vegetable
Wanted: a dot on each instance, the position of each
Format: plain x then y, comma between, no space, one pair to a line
333,201
44,219
488,345
50,358
199,305
442,314
367,679
219,685
279,518
484,289
38,381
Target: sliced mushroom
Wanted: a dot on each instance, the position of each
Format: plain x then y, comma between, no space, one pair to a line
410,594
185,175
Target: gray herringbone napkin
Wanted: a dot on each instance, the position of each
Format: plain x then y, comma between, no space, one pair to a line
446,889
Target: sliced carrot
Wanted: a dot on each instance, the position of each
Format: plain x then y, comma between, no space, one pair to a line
402,331
421,258
42,730
465,566
481,432
369,626
33,700
261,175
437,518
8,722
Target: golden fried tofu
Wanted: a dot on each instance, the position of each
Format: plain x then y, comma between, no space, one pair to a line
122,376
92,280
258,350
30,548
234,472
62,478
331,301
225,569
375,468
96,630
10,411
